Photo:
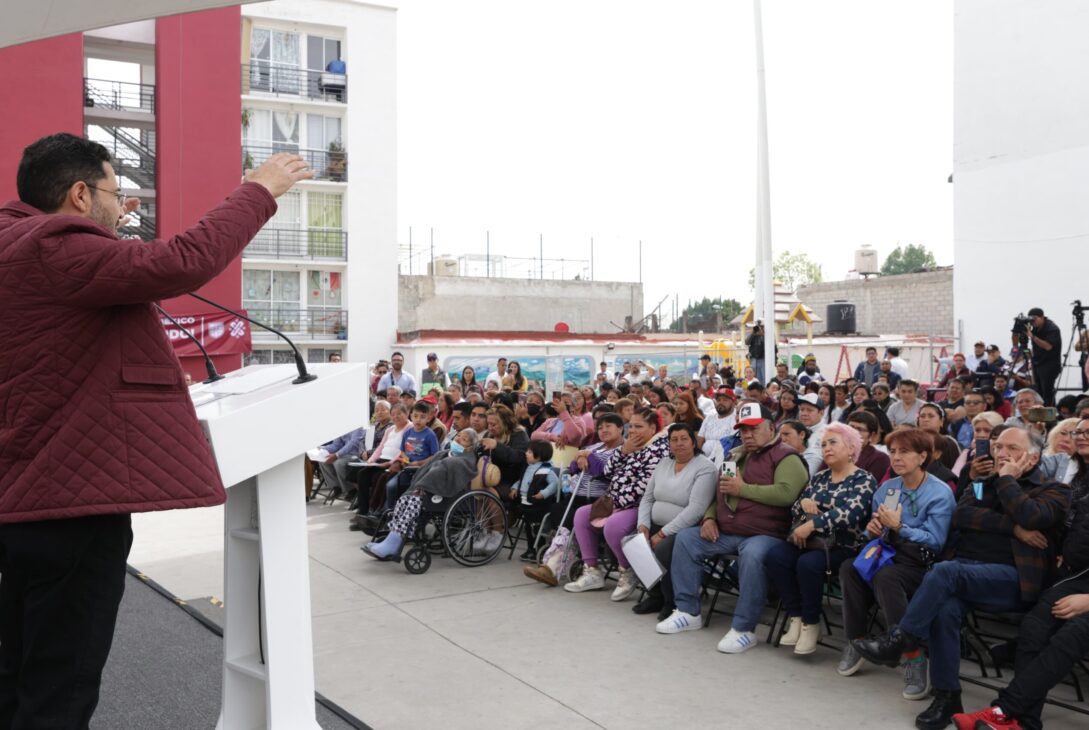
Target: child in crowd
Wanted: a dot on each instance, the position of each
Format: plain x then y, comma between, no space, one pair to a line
418,445
539,482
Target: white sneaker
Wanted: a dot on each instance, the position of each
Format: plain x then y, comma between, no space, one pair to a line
679,621
794,630
808,638
625,586
592,579
736,642
492,543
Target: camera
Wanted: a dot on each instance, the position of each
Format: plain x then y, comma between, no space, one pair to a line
1079,312
1020,323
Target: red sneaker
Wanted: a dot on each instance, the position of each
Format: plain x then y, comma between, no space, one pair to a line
989,719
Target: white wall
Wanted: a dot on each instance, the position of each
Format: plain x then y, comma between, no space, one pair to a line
370,136
1021,164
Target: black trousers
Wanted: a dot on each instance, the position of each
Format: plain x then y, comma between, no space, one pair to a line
557,509
1047,649
1045,377
664,553
893,586
61,583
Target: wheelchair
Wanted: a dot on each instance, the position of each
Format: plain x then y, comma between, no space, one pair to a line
452,527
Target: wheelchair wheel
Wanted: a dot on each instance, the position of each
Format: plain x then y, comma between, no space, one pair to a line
417,560
469,524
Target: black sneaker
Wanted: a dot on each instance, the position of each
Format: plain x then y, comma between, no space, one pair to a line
649,604
529,556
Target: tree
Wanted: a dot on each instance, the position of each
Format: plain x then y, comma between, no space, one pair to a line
701,314
792,270
907,260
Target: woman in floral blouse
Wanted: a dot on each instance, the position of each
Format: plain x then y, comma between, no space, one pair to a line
628,471
835,508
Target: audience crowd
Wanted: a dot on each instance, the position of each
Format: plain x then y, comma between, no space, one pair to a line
920,502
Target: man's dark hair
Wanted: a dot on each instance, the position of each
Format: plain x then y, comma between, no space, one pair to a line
395,354
624,389
542,450
909,383
54,164
870,349
867,419
465,408
612,418
894,351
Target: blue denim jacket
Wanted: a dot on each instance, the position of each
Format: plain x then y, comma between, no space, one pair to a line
926,518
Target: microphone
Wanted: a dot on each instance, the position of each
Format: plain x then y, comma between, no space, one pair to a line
209,366
304,376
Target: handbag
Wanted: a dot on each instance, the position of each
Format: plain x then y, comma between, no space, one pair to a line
874,556
817,542
602,507
487,474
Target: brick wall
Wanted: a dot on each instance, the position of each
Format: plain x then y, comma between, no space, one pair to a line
904,304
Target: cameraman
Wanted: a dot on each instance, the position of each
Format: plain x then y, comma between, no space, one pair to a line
755,342
1047,345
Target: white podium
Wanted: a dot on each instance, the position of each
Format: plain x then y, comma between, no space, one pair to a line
259,425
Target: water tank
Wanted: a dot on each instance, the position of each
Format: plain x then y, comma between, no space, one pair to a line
443,266
866,261
841,317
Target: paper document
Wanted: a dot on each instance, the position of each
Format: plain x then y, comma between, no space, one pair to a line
646,566
318,454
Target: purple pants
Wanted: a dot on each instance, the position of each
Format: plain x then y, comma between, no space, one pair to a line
619,525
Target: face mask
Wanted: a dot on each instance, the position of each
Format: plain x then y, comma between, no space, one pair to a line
533,409
456,448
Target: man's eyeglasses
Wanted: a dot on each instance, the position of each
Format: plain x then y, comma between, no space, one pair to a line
121,197
1080,434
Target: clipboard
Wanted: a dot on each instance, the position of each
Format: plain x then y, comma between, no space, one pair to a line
639,553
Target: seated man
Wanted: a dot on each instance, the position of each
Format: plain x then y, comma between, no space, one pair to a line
750,515
1055,634
341,451
906,410
1008,529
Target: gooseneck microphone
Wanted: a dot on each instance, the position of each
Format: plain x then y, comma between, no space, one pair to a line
209,366
304,376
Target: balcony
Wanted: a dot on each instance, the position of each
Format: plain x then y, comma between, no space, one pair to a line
118,96
312,244
328,164
270,78
299,323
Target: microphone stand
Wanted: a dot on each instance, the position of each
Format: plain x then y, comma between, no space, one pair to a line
304,376
209,366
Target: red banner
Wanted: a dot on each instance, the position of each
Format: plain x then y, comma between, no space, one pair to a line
219,332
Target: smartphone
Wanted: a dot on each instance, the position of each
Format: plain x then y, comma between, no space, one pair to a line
983,448
729,469
892,500
1040,414
522,398
556,394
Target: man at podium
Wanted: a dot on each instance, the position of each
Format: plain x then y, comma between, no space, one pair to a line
95,418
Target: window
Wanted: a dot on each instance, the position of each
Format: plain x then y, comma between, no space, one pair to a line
320,51
322,131
274,61
326,225
324,289
318,354
272,297
257,357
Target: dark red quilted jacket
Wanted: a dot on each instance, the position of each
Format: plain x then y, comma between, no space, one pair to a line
95,417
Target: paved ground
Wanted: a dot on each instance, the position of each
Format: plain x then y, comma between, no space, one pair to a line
485,647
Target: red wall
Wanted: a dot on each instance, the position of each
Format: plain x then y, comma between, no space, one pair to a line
199,117
43,94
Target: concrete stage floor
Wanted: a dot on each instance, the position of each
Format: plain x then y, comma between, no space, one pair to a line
482,648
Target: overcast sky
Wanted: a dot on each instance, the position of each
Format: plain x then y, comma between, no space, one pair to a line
636,120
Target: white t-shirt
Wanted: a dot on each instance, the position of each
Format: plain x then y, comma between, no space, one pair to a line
899,366
715,427
814,454
707,407
494,377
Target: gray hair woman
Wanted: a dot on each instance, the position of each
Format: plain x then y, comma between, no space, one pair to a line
447,475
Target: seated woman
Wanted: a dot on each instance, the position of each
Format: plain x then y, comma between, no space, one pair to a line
687,410
833,509
505,444
667,416
383,456
680,490
917,528
628,471
882,396
560,427
982,427
795,434
787,408
859,395
1056,459
446,475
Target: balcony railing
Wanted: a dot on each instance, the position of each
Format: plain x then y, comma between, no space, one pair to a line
119,95
327,164
305,243
270,78
299,323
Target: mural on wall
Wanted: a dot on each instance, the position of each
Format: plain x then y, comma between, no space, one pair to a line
537,369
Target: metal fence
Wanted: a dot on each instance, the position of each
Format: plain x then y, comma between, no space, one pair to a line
300,243
272,78
328,164
119,95
302,323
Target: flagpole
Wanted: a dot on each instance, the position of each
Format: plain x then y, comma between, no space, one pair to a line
763,200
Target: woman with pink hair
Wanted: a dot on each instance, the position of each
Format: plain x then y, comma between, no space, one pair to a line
829,528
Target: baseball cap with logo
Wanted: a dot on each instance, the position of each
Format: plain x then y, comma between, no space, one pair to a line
728,392
752,414
812,399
